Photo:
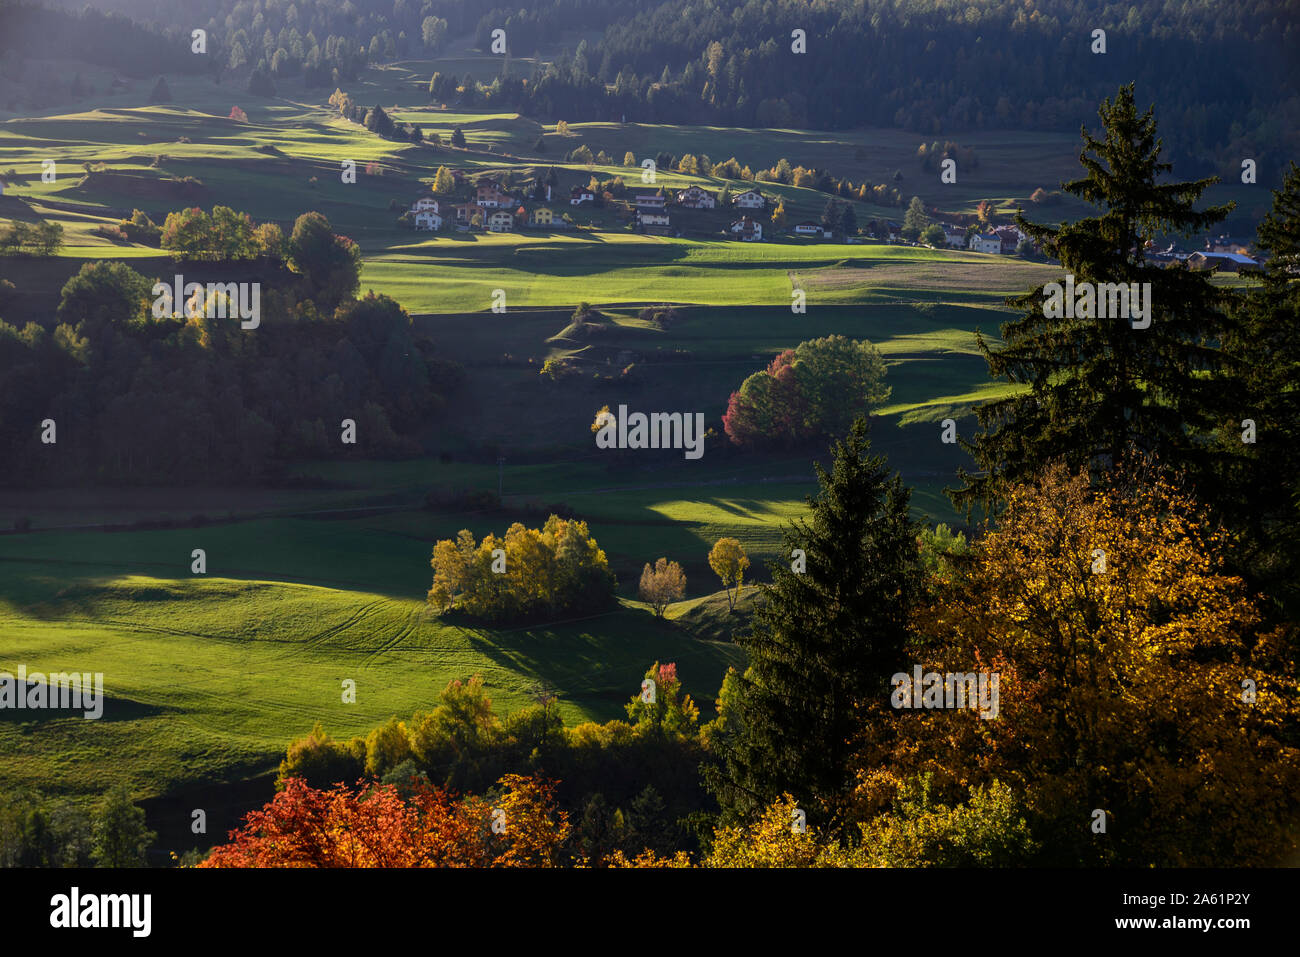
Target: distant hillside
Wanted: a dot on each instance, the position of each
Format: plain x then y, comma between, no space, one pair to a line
1220,74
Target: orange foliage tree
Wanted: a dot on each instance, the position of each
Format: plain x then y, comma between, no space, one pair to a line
372,826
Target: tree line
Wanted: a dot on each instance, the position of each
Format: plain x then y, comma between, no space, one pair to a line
139,395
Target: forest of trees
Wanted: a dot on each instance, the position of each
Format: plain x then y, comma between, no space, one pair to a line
139,398
937,66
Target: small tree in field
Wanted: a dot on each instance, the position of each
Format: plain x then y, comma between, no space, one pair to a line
664,583
238,115
729,561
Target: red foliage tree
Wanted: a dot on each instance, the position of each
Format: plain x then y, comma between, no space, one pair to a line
371,826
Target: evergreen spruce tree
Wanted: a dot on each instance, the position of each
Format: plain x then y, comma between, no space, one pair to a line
915,219
831,215
458,138
160,92
1101,391
849,220
1259,454
829,632
260,83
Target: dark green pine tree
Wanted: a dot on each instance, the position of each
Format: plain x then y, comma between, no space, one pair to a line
829,632
1259,480
458,138
1101,391
831,215
160,92
377,121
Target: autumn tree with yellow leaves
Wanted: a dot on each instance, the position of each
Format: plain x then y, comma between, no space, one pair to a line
1135,681
530,573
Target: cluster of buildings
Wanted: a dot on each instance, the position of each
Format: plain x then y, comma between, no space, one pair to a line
491,207
1003,240
1220,253
494,208
650,209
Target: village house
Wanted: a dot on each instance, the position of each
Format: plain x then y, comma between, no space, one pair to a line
809,228
543,217
489,195
1222,262
694,197
502,221
648,201
427,219
425,204
747,229
1010,237
954,235
749,199
579,195
468,214
985,243
653,221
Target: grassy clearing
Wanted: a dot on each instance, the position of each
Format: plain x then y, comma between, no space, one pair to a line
208,679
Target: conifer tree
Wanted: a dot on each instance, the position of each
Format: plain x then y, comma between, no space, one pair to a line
1259,452
160,94
1100,390
915,219
829,632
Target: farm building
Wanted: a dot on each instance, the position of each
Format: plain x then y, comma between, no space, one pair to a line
749,199
502,221
954,235
425,204
694,197
985,243
1222,262
648,201
427,219
579,195
543,217
747,229
809,228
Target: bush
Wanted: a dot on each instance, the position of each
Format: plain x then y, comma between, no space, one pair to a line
557,369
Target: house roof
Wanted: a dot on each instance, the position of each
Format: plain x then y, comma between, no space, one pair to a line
1233,257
